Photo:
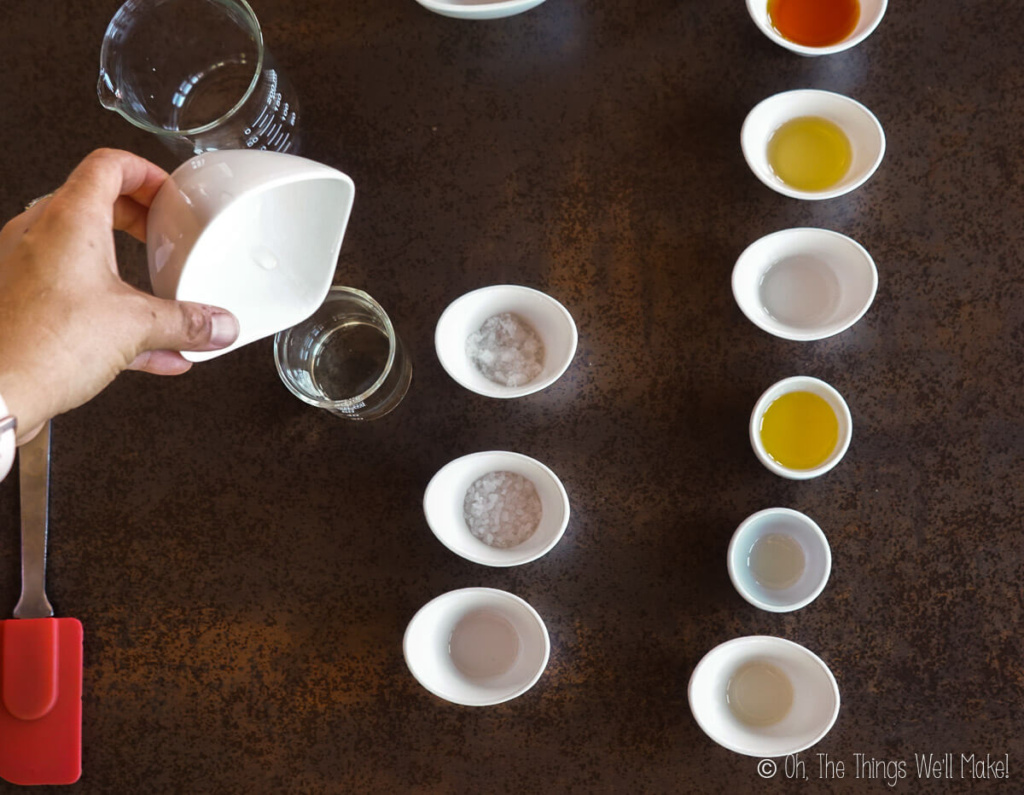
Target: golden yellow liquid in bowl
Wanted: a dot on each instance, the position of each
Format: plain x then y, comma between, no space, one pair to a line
800,430
810,153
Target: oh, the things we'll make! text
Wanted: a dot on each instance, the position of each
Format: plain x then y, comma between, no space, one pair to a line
919,766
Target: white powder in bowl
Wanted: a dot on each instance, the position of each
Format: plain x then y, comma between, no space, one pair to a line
502,509
507,350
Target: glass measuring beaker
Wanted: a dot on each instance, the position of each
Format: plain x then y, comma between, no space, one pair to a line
196,74
346,357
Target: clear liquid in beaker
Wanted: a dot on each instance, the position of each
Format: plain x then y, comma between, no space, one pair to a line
348,360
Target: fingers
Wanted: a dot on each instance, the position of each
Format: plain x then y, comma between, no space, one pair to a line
185,326
28,436
161,363
130,216
106,174
114,185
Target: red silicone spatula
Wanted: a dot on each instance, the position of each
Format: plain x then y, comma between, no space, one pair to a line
40,656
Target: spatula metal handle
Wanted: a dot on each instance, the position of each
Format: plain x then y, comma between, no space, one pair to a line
34,474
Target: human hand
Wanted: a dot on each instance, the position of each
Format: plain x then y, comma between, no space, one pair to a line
68,323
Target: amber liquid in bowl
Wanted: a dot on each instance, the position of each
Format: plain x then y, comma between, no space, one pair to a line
814,23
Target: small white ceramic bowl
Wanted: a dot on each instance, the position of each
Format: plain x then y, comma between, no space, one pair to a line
479,9
800,529
867,140
445,494
801,383
815,697
871,13
427,647
804,284
257,233
465,315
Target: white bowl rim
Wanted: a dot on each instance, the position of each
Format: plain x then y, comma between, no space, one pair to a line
816,532
843,187
755,7
468,592
499,391
475,10
793,384
781,330
781,643
506,558
483,6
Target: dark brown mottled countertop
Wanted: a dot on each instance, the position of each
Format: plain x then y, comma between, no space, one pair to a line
244,565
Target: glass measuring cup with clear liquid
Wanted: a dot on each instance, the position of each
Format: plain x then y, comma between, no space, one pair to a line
346,357
196,74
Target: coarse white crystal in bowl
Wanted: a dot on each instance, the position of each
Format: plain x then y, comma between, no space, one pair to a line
476,492
505,341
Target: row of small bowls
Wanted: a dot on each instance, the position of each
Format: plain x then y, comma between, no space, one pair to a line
426,641
425,645
846,263
816,697
816,701
871,12
442,500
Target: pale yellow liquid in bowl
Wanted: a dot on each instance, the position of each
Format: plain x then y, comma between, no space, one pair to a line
759,694
777,561
810,153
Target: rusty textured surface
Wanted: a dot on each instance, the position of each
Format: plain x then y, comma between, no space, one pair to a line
245,566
